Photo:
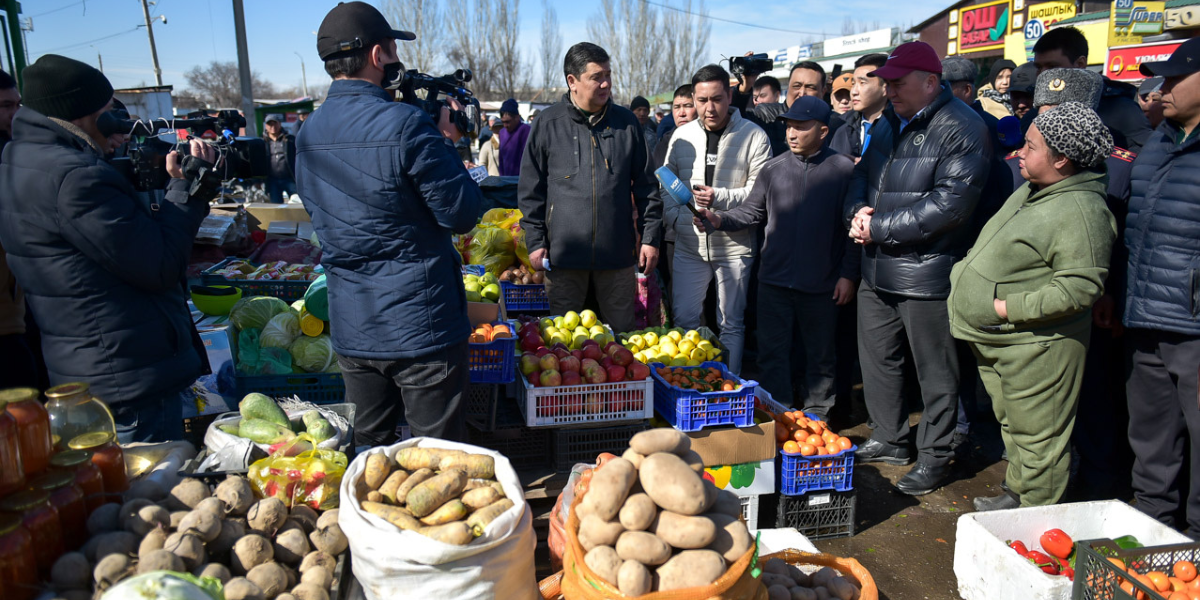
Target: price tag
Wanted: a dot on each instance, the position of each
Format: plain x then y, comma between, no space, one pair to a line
820,499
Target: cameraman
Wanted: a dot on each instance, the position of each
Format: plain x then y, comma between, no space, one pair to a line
386,190
102,271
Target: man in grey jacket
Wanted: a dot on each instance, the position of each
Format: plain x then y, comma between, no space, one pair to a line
586,157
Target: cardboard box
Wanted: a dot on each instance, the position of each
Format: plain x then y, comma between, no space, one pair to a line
485,312
734,445
263,214
281,229
745,479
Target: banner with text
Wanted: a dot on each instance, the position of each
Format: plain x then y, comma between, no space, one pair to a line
982,26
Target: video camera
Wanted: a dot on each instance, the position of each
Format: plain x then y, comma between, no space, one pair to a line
422,90
144,161
755,64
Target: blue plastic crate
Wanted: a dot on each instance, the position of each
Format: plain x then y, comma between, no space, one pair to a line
287,290
318,388
524,297
495,361
689,410
799,474
476,270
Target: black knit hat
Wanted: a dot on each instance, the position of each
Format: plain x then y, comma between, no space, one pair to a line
64,88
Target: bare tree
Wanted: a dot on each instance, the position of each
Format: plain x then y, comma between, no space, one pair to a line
851,26
682,54
652,51
510,72
424,18
552,50
219,85
468,44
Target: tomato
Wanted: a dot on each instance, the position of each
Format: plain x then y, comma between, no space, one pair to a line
1043,562
1019,546
1056,542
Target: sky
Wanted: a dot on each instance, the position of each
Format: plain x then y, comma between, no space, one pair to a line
281,34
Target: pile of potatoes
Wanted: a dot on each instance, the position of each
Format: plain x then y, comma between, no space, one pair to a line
447,495
787,582
651,509
256,548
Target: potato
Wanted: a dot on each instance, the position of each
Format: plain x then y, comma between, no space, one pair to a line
727,503
240,588
418,477
638,513
318,560
160,560
840,588
231,532
202,524
633,457
327,517
236,494
684,532
309,591
775,579
249,552
672,484
643,547
266,516
116,542
803,593
70,572
147,490
660,439
822,593
604,562
104,519
732,539
778,592
800,577
329,539
377,470
187,547
177,517
187,494
609,488
306,516
291,546
112,569
270,578
318,577
481,497
430,494
217,571
479,466
694,461
690,568
777,566
130,510
153,541
823,576
594,531
634,579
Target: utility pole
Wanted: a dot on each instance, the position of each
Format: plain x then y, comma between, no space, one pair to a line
17,38
153,50
99,59
243,52
303,73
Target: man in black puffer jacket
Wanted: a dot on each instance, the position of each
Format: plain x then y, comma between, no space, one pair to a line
910,206
102,270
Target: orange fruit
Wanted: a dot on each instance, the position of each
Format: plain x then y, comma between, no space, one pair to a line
1120,564
1159,580
1179,596
832,449
1193,594
787,418
1194,584
800,435
1177,584
816,426
791,447
829,436
844,443
815,440
1184,570
807,449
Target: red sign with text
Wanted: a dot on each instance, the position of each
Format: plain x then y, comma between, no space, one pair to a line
1123,63
983,26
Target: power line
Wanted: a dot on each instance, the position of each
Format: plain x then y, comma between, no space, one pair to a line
744,24
61,8
99,39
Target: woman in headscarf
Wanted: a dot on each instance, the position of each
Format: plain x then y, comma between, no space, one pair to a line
1022,298
993,96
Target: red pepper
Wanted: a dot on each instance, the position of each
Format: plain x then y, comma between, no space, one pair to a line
1069,573
1043,562
1019,546
1056,542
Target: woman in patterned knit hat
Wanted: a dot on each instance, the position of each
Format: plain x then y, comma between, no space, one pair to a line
1022,298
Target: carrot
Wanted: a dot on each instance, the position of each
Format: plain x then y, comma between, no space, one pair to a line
413,480
457,533
393,483
451,511
411,459
480,519
378,468
479,466
392,514
435,491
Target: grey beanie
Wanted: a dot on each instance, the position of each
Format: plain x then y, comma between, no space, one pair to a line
1075,130
1059,86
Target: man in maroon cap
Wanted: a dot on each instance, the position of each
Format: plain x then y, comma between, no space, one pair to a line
910,206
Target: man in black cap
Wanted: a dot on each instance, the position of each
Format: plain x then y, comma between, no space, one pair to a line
1162,299
640,107
281,148
102,271
301,117
1020,90
1150,99
386,191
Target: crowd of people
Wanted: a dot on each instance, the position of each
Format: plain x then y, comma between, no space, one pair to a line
1038,235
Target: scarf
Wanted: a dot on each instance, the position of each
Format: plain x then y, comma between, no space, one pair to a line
995,96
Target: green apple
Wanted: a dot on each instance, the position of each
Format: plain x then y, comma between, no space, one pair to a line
577,340
470,278
549,331
558,322
571,319
488,278
588,318
546,322
473,296
472,286
583,330
491,291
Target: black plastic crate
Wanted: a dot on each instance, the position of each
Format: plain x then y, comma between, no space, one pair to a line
1098,578
481,402
819,516
573,446
527,449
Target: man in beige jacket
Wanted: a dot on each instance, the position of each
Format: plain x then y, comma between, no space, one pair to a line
719,154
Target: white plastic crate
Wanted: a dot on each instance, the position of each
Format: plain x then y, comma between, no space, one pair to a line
589,404
987,569
750,511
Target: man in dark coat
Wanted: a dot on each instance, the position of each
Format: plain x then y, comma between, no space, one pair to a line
910,206
386,190
102,270
806,79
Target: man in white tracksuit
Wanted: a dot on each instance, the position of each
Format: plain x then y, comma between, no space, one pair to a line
719,155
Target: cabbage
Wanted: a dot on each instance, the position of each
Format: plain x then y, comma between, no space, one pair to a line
313,354
255,311
165,585
281,330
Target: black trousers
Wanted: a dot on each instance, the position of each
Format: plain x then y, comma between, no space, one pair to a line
1105,458
428,391
814,318
886,322
1164,422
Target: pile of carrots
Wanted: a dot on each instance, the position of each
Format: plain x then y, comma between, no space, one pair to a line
797,434
698,379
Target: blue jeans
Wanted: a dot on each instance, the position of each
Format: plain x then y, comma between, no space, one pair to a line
152,420
278,186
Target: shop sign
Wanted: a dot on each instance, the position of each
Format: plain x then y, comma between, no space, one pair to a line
1123,63
1041,17
1130,20
871,40
982,27
1184,17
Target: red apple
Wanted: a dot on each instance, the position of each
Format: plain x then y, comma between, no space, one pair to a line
535,378
528,329
560,353
638,371
551,378
606,362
610,347
531,342
542,351
590,342
595,374
530,363
549,362
622,356
594,404
560,346
588,363
592,350
571,378
577,354
568,363
615,373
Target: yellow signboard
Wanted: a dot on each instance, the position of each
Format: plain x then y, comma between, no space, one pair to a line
1129,20
1040,18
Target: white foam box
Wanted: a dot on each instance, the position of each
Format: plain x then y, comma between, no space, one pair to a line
987,569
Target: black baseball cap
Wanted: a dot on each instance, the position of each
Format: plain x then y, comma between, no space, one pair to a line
1024,79
1185,60
353,25
807,108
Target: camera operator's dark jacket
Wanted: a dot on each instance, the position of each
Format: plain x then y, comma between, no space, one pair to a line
924,184
385,192
576,182
767,115
101,271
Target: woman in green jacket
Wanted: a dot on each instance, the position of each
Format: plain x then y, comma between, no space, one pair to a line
1022,298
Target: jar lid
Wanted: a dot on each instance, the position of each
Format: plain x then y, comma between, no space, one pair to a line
66,390
70,458
9,523
17,395
23,501
53,480
90,440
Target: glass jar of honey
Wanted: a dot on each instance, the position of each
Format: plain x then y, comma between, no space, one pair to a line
33,427
67,499
18,566
108,457
75,412
40,519
12,470
87,475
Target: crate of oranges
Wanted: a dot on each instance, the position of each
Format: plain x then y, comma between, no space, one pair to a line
692,398
813,457
491,354
1105,570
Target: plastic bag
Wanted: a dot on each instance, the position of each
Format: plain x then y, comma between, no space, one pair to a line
492,247
316,298
504,218
253,359
311,478
520,248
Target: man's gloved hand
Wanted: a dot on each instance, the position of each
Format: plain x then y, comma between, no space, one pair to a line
196,168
